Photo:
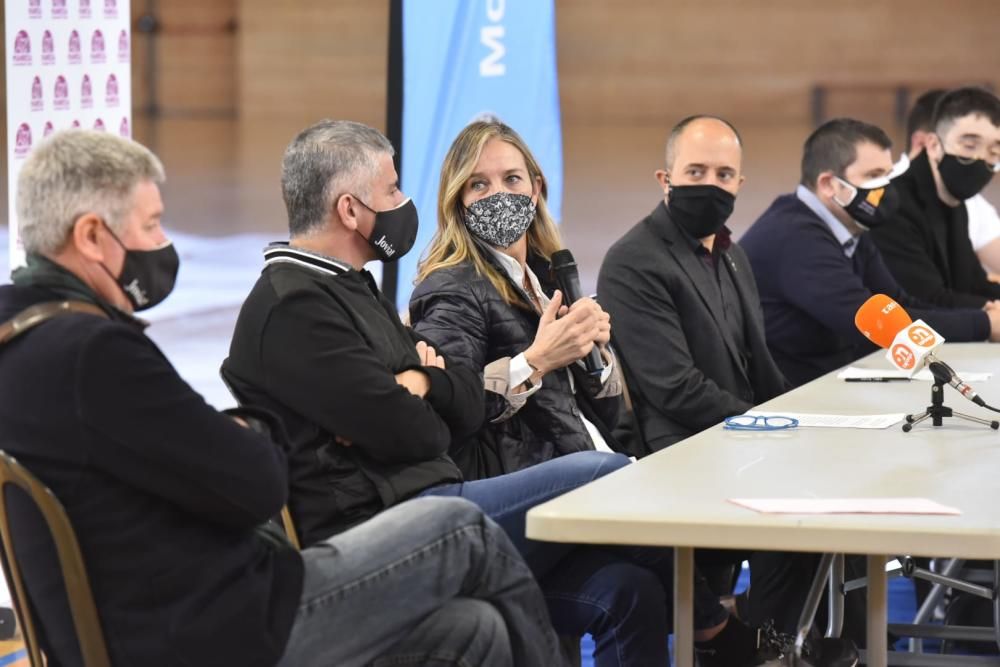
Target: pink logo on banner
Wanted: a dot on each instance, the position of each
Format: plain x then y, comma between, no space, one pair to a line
123,128
34,9
22,144
76,124
111,91
86,93
110,9
59,9
75,57
22,48
49,129
99,125
97,47
36,94
48,49
123,50
60,100
85,9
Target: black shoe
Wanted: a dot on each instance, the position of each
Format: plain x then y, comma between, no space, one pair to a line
816,652
771,648
829,652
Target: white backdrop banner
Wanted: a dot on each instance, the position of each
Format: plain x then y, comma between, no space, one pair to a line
68,65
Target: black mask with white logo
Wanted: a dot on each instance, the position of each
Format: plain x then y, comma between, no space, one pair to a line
701,210
964,178
147,276
394,231
874,203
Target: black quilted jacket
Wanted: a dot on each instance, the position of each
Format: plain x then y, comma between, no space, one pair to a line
470,324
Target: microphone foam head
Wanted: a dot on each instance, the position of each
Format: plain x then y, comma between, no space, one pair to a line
562,258
880,319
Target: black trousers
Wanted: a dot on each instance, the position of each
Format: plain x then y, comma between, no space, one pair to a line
779,584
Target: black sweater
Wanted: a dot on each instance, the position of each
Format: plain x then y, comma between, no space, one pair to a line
810,291
318,344
163,491
927,246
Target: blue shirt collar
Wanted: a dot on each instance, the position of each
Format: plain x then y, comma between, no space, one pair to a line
846,240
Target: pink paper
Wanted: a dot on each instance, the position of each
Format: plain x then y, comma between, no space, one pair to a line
844,506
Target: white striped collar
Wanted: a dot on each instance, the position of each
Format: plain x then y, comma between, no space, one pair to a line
281,252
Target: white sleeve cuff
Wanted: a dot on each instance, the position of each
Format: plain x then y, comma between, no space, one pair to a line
520,370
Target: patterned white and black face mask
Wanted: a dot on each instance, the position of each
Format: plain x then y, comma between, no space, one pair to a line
500,219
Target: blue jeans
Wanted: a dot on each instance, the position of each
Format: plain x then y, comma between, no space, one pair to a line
620,595
429,582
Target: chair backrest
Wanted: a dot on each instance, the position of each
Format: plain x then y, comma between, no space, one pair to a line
89,635
289,526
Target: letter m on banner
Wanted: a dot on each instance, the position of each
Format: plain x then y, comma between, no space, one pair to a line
464,61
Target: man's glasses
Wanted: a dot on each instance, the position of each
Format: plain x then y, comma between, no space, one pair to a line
760,423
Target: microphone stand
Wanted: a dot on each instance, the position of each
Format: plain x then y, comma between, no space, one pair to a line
937,410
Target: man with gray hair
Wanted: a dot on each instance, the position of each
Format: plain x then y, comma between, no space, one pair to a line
170,498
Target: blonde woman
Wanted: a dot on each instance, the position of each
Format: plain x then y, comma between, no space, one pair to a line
485,298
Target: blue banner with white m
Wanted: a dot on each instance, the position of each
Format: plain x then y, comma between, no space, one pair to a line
464,59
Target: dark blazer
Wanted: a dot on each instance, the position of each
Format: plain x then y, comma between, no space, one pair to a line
927,246
810,291
318,344
163,491
681,366
463,315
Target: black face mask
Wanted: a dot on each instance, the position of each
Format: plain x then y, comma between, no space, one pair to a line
964,178
147,276
874,203
394,231
701,210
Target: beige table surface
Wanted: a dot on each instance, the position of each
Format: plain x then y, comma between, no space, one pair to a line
678,497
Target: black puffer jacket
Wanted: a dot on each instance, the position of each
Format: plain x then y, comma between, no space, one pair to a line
470,324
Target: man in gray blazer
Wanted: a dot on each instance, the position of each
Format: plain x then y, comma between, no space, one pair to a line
687,319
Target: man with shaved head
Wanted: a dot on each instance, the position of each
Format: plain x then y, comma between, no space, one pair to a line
690,336
688,323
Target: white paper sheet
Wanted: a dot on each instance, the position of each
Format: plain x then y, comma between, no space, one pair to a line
844,506
838,421
874,374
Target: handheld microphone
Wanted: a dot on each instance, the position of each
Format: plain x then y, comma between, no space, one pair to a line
568,279
910,344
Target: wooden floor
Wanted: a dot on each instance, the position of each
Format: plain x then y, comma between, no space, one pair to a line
12,654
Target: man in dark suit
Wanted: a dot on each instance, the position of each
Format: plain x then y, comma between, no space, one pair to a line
687,318
928,248
690,334
815,264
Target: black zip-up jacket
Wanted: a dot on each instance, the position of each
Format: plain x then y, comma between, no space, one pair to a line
318,344
165,494
465,317
927,246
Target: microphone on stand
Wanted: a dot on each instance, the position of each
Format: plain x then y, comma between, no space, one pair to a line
911,345
568,279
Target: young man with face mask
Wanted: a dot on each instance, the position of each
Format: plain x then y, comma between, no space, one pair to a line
815,263
927,248
984,221
168,497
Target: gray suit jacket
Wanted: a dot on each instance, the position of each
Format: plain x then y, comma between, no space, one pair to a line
682,366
